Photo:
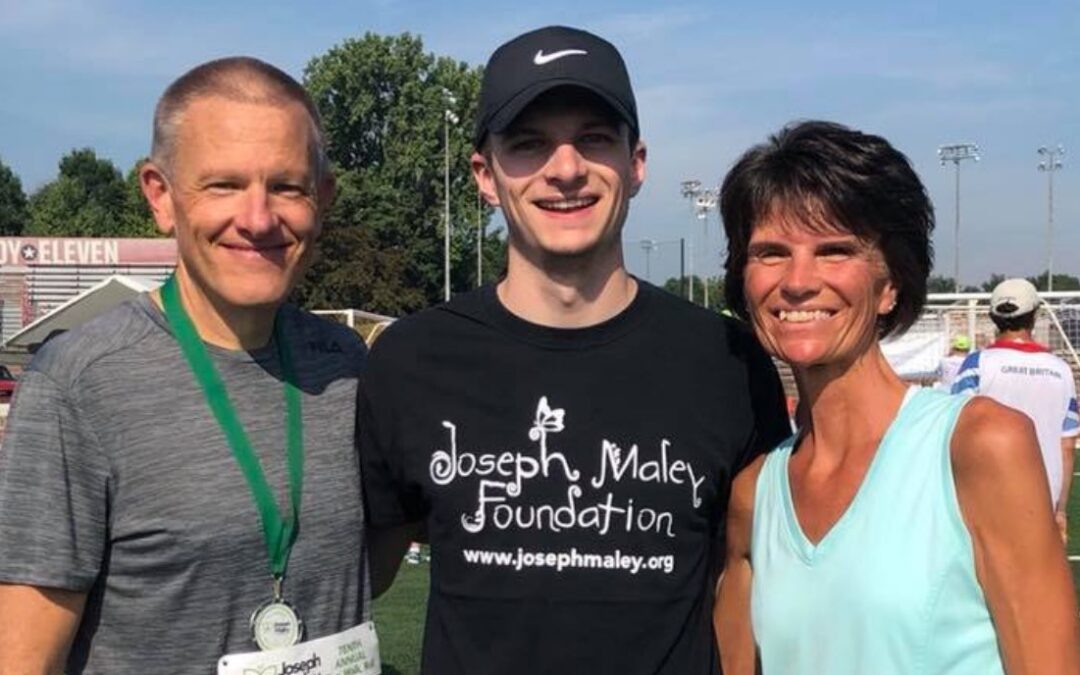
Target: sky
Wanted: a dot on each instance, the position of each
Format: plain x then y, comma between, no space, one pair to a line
711,79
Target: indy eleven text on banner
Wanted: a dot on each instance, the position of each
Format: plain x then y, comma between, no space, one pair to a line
76,252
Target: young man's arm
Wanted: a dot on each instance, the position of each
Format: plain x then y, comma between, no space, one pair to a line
1019,559
394,513
387,546
37,626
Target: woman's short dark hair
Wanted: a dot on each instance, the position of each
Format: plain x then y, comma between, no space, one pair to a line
827,175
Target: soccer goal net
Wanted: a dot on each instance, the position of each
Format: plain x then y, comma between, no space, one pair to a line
917,353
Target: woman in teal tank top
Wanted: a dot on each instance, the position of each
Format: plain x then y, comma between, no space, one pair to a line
902,530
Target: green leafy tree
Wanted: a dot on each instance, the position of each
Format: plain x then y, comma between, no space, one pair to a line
383,102
939,284
1062,282
13,212
995,279
677,286
89,198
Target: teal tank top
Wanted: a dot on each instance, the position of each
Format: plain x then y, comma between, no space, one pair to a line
891,588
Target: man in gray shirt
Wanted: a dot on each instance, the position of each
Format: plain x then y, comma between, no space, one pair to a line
178,482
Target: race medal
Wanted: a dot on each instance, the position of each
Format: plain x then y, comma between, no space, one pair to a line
275,625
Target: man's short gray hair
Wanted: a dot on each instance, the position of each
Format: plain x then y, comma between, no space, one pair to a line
236,78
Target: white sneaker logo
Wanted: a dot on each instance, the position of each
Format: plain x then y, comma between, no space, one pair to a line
541,58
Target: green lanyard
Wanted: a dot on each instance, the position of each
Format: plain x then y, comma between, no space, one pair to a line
279,533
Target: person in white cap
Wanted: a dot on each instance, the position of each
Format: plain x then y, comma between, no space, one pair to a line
1023,374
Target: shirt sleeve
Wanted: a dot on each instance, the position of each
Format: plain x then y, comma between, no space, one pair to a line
967,380
54,491
389,497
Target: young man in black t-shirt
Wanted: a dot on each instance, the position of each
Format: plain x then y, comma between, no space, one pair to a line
569,434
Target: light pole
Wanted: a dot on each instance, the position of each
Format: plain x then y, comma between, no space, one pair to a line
1050,163
956,153
648,245
702,205
448,118
690,190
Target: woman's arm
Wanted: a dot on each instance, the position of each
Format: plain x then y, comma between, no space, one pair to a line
1019,558
731,610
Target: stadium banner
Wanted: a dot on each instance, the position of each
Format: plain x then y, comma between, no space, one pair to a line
84,251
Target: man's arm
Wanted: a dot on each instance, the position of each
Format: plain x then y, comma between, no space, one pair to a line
387,548
731,609
1019,559
37,626
1068,455
53,524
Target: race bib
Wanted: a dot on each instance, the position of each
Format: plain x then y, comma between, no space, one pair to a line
351,652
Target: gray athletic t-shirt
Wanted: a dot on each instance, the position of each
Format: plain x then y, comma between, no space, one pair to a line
116,480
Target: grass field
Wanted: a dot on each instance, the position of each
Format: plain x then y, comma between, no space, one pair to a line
399,618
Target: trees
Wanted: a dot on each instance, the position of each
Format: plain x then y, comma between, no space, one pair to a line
89,198
677,286
940,284
382,102
1062,282
995,279
12,202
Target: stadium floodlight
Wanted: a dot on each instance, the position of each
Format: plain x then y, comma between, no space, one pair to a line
690,189
1050,163
448,118
957,153
704,203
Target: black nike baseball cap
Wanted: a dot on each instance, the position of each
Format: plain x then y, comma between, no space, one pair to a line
543,59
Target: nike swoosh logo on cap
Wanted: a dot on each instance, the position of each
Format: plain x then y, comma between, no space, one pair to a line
541,58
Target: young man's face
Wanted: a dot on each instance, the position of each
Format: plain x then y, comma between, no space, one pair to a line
242,197
563,173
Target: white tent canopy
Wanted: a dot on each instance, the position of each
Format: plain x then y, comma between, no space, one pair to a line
90,303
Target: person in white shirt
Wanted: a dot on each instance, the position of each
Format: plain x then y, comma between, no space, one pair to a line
1022,374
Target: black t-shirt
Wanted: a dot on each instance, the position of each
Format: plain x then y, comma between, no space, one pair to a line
574,482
